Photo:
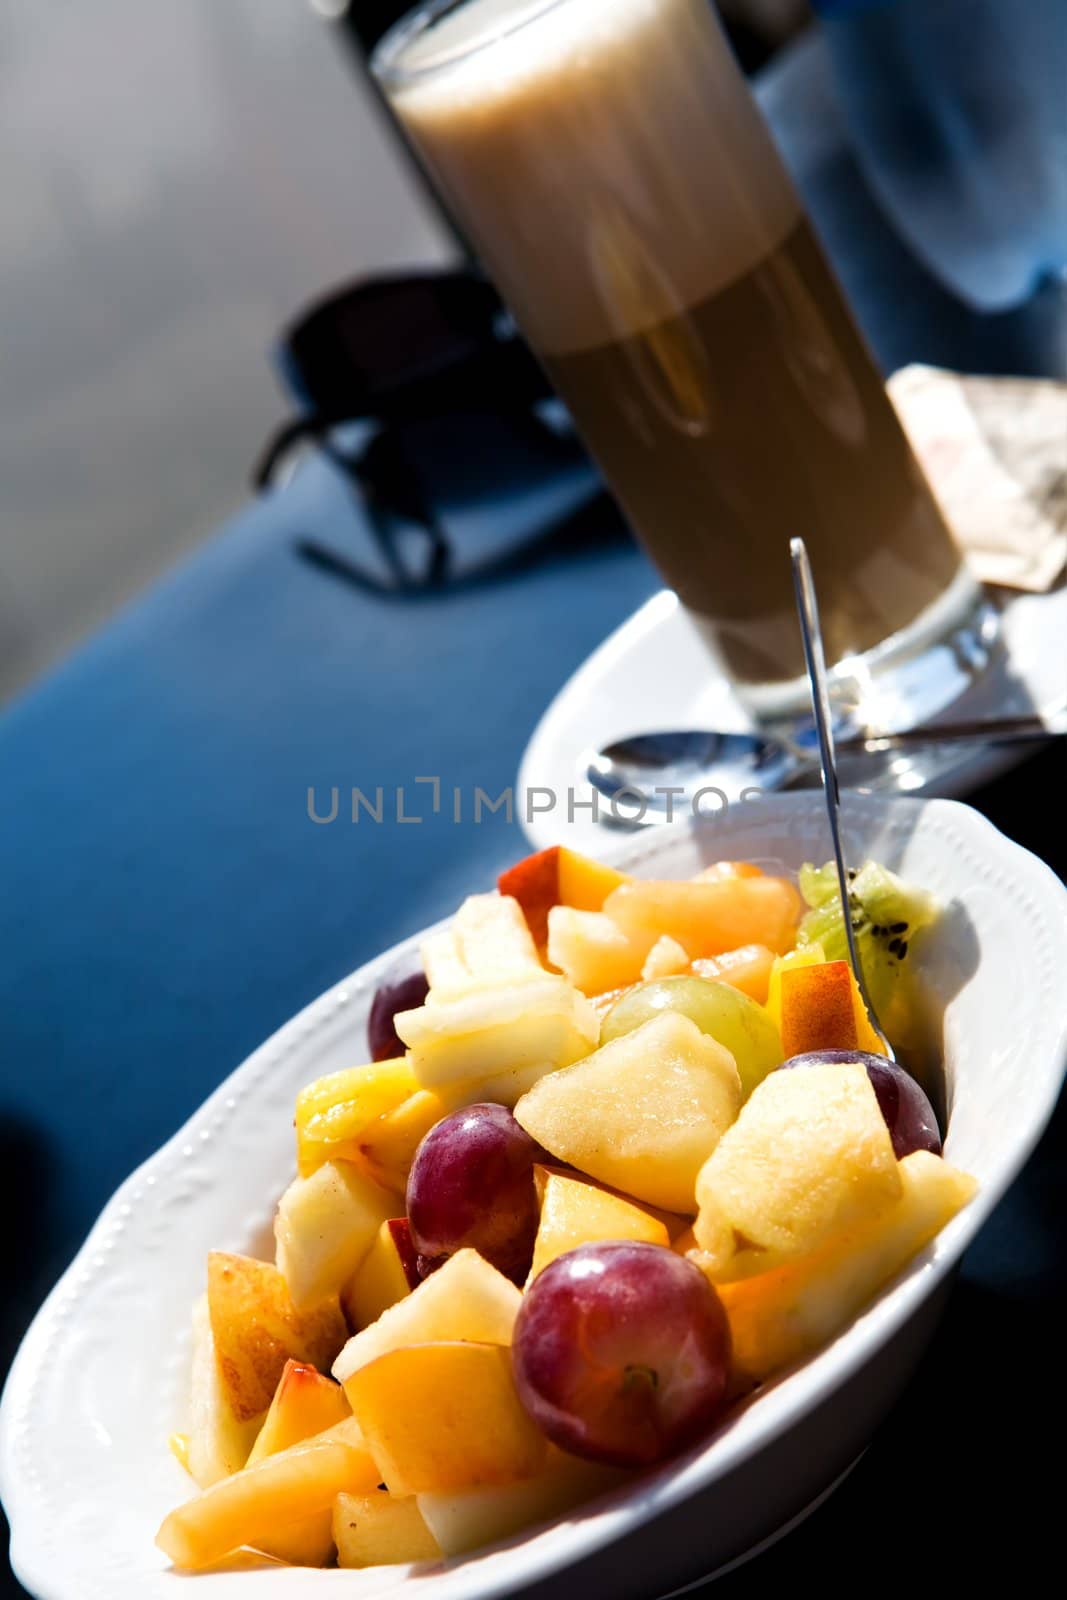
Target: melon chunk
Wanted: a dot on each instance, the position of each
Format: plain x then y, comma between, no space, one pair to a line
706,916
591,951
464,1299
809,1154
641,1114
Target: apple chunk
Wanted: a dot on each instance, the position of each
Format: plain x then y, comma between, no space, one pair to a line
388,1273
514,1029
464,1299
465,1519
218,1442
780,1316
377,1530
810,1153
642,1113
325,1226
257,1329
574,1212
277,1494
445,1416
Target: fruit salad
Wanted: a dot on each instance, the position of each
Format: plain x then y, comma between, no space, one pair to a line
624,1150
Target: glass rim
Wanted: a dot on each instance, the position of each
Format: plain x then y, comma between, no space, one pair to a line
387,58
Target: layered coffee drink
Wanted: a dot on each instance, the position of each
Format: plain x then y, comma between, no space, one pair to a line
621,188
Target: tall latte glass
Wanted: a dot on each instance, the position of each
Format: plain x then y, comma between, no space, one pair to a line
609,164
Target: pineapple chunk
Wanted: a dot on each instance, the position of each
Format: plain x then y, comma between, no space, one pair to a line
488,943
264,1502
377,1530
256,1329
810,1153
666,959
575,1212
591,951
777,1318
304,1404
465,1519
218,1442
333,1113
464,1299
445,1416
643,1113
541,1024
387,1147
325,1226
707,917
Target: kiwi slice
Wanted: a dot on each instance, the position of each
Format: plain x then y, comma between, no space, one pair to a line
886,915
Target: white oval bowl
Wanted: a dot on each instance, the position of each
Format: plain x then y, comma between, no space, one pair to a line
98,1384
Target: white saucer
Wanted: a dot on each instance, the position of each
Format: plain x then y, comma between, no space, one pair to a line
655,673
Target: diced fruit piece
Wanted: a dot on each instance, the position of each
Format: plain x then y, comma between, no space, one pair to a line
444,1416
729,869
780,1316
468,1518
396,993
305,1402
665,959
908,1114
377,1530
334,1113
809,1154
543,1023
747,968
591,951
817,1009
642,1113
218,1441
886,915
574,1212
262,1503
487,943
622,1352
464,1299
718,1009
325,1226
388,1273
387,1147
792,961
257,1329
707,917
557,876
472,1186
178,1445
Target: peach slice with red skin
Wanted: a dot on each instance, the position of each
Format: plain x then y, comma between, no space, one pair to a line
817,1009
557,877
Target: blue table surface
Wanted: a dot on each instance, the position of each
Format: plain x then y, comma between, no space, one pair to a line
166,902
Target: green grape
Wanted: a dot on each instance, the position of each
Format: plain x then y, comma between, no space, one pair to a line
728,1016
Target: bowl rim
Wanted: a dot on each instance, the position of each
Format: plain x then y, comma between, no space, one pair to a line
796,1392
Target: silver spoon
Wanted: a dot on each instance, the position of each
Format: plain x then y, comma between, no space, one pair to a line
814,656
683,760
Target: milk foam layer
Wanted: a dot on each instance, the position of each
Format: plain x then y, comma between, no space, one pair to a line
605,156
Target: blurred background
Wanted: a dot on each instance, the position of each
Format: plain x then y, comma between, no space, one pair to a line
178,180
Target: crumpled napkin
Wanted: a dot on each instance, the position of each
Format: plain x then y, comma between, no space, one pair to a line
995,453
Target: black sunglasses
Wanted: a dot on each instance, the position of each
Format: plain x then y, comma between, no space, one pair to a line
398,352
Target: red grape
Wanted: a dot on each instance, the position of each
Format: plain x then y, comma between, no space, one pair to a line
908,1114
472,1184
621,1352
396,994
